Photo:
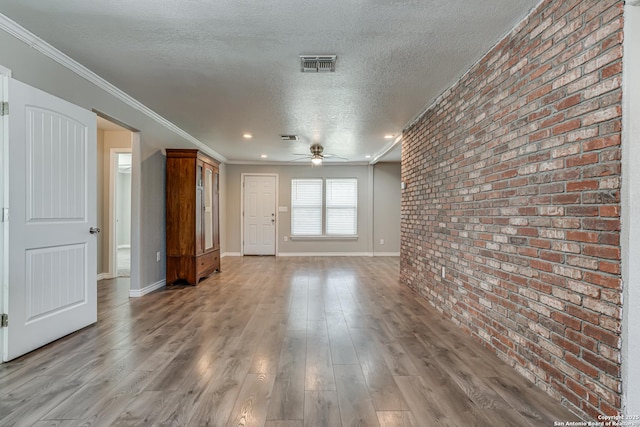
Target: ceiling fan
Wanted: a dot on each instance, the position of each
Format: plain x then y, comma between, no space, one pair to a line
317,155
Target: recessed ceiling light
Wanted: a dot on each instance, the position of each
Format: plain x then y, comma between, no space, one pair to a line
247,136
367,156
264,156
388,136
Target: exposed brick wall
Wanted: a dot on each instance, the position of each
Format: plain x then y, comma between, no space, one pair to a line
513,186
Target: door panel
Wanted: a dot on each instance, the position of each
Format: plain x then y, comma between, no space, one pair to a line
259,215
52,183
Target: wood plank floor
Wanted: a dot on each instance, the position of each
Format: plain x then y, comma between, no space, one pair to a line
271,342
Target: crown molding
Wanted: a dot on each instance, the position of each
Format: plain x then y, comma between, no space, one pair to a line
16,30
386,150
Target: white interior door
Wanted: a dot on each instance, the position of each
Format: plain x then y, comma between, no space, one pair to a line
52,203
259,215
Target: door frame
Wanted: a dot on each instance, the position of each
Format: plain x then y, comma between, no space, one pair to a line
5,73
242,180
135,280
113,208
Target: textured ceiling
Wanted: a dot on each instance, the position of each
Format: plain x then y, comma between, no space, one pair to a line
218,69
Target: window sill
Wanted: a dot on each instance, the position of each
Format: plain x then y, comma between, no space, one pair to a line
319,238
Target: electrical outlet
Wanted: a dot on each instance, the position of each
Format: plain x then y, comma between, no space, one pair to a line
158,256
382,241
286,238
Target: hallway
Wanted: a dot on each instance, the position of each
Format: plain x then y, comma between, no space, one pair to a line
299,341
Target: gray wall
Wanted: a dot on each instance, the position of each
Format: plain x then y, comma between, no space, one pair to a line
153,216
387,211
102,265
32,67
386,207
222,199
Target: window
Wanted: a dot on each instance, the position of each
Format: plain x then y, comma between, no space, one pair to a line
306,207
342,207
335,214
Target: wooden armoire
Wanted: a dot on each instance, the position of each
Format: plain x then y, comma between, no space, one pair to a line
193,227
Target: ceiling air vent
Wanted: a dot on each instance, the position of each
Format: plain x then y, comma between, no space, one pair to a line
289,137
318,63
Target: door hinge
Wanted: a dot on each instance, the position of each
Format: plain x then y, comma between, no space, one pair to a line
4,320
4,215
4,108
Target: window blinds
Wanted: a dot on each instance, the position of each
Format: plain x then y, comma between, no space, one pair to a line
342,206
306,207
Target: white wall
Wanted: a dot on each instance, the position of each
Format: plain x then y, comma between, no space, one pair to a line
631,211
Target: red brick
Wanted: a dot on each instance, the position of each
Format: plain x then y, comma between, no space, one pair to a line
601,224
603,280
601,335
610,211
612,70
609,267
606,252
585,159
583,367
582,236
582,185
569,102
567,126
582,340
600,143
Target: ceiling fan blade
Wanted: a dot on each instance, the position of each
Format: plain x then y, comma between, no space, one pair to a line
333,156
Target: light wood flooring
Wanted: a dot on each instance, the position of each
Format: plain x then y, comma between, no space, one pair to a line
276,342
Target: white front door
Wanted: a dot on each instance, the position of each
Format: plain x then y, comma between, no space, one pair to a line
51,285
259,215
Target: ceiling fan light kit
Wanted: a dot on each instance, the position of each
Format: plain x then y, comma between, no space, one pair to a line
317,155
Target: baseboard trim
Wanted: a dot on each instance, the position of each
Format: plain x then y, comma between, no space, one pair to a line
299,254
104,276
137,293
386,254
230,254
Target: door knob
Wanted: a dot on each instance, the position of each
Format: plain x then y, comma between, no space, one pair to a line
94,230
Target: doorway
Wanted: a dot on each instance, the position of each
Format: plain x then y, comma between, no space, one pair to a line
115,168
121,212
260,222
